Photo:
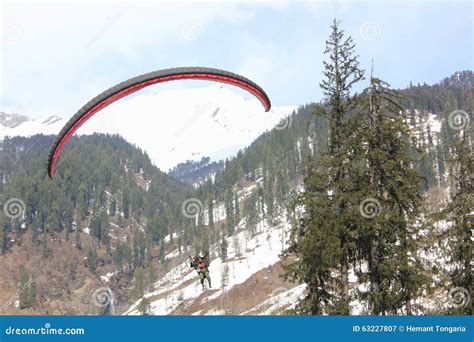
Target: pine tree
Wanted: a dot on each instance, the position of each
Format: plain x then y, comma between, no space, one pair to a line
46,252
251,212
236,245
78,243
161,253
113,207
282,187
24,289
210,209
139,248
459,214
151,278
229,210
389,201
268,195
126,204
205,240
341,74
104,228
144,306
67,217
237,209
316,244
327,238
92,258
119,255
3,233
82,204
94,225
223,248
32,292
139,283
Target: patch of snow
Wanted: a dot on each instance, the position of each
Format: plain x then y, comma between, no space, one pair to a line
262,250
282,300
107,277
172,255
167,238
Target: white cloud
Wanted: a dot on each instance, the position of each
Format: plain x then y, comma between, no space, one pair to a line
61,45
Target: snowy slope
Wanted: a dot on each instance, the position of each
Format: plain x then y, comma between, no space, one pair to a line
179,292
246,256
173,125
281,299
20,125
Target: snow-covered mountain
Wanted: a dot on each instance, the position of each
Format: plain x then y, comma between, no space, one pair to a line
8,120
248,281
20,125
173,125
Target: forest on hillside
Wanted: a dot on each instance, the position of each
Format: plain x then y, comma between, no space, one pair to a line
366,180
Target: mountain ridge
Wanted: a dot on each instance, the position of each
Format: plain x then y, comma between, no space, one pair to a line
175,136
139,245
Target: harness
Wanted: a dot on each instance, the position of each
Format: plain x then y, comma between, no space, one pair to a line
200,265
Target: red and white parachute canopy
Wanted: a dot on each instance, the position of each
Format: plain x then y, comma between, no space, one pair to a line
136,83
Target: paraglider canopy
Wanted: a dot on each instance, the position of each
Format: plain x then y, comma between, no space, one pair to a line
136,83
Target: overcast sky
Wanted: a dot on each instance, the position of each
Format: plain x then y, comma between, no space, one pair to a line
57,56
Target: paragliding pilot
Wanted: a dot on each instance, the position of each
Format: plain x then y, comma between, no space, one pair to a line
201,265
